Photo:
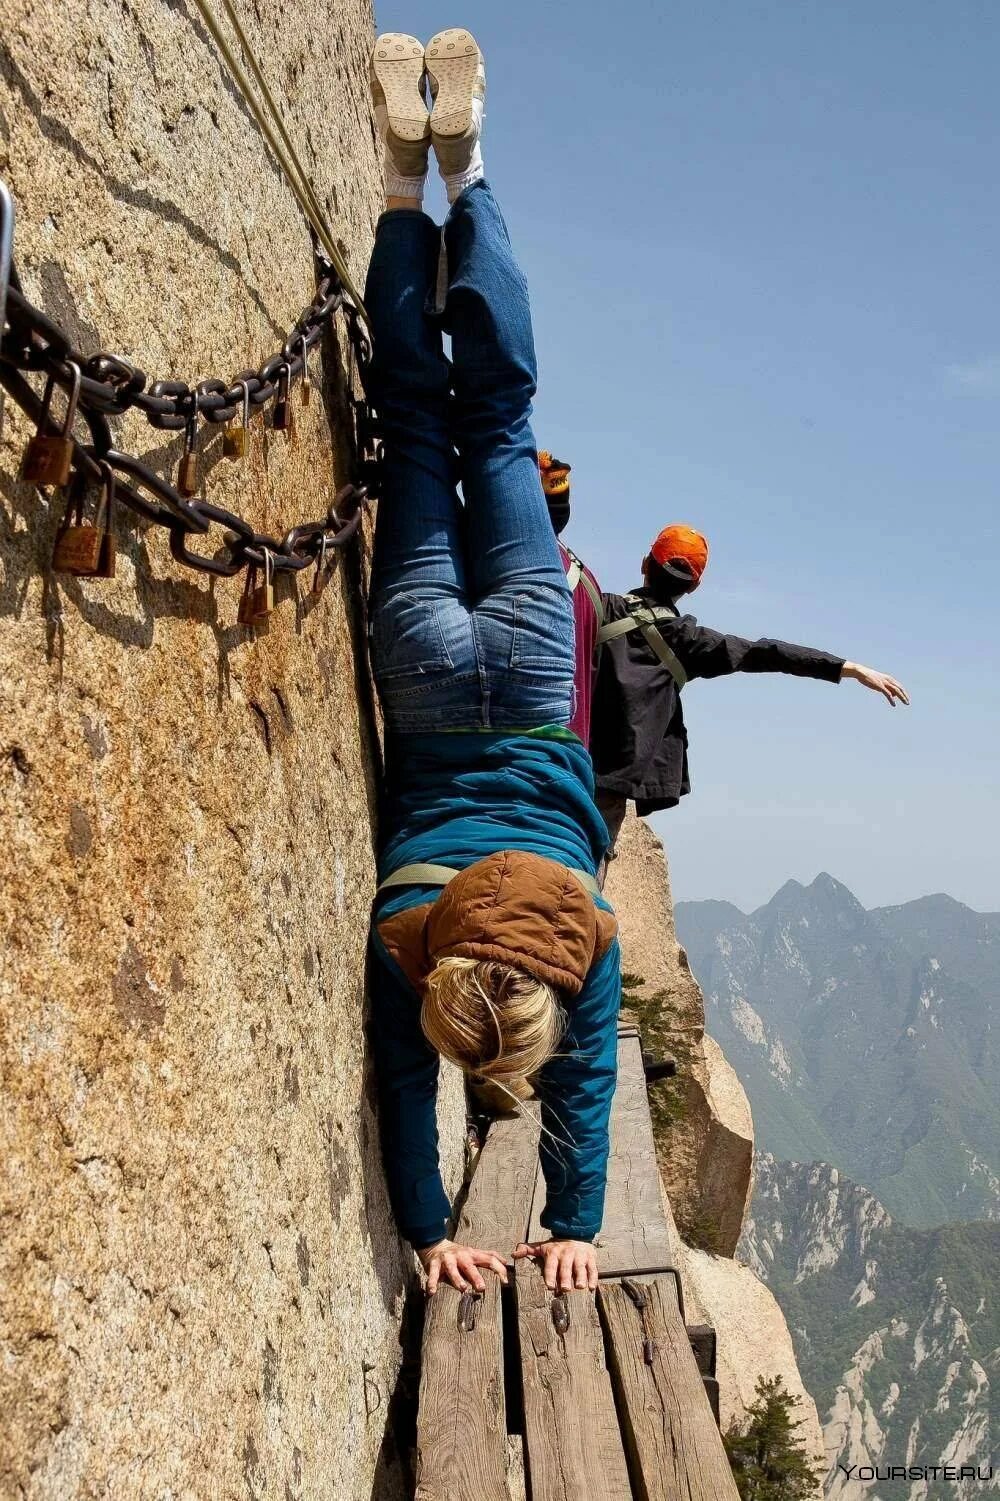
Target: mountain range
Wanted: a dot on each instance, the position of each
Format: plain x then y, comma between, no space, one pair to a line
867,1040
896,1331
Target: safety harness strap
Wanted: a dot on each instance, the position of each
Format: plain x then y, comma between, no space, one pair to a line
576,574
439,875
646,618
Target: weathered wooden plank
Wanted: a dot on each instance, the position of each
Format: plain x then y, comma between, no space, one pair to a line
461,1425
462,1448
675,1449
573,1444
498,1204
634,1232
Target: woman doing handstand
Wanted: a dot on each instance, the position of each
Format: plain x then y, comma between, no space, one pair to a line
511,968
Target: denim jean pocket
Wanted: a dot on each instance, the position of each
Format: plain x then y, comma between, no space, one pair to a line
543,632
407,637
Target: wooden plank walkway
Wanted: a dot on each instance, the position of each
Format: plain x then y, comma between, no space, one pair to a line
571,1432
614,1405
673,1444
634,1232
462,1424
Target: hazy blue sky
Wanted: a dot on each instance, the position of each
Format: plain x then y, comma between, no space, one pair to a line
763,244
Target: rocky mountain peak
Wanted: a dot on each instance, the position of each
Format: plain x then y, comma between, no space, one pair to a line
869,1039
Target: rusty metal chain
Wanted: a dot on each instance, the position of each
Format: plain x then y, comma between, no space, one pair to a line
107,385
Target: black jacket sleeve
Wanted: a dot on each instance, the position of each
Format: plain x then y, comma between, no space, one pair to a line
709,654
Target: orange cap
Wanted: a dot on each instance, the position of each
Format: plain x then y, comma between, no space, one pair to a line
681,544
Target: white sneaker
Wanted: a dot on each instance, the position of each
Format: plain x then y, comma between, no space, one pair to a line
457,77
397,82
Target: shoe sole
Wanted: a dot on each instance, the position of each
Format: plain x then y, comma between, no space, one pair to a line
452,59
398,65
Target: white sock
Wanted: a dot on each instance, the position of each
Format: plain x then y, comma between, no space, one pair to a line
396,184
457,182
402,187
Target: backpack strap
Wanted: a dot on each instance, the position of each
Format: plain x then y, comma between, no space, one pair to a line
647,618
439,875
576,574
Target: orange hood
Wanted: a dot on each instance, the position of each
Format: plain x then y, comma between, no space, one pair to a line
518,908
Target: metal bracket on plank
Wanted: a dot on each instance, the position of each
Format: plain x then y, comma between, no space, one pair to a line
627,1274
467,1311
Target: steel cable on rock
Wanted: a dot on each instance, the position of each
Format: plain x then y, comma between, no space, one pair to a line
285,154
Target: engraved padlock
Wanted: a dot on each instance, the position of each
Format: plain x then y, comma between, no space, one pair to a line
234,435
284,418
187,472
86,549
48,458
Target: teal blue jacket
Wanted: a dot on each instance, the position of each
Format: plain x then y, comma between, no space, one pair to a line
452,799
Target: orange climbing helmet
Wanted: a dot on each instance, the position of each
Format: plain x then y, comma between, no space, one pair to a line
681,549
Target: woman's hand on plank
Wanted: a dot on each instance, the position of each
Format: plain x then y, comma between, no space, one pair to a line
565,1263
459,1265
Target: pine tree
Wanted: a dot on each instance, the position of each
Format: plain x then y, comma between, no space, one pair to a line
768,1457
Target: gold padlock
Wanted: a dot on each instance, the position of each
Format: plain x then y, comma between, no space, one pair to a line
262,599
187,472
48,458
82,548
234,436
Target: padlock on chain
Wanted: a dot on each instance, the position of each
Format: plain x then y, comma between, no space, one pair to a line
322,574
83,548
187,472
283,420
48,458
257,600
306,382
244,614
234,435
262,600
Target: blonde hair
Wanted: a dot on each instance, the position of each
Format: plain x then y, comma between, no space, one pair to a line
491,1019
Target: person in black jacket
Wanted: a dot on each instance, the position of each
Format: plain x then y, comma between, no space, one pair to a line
648,651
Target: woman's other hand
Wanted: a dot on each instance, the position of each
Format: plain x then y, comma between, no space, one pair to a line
565,1263
459,1266
879,682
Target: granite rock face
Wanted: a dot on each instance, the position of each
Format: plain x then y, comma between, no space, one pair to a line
704,1139
753,1340
704,1132
200,1285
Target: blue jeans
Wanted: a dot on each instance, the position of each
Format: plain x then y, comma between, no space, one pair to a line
471,619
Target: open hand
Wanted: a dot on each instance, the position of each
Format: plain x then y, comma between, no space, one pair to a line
879,682
458,1265
565,1263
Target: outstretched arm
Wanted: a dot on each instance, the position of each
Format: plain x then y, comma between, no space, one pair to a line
710,654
